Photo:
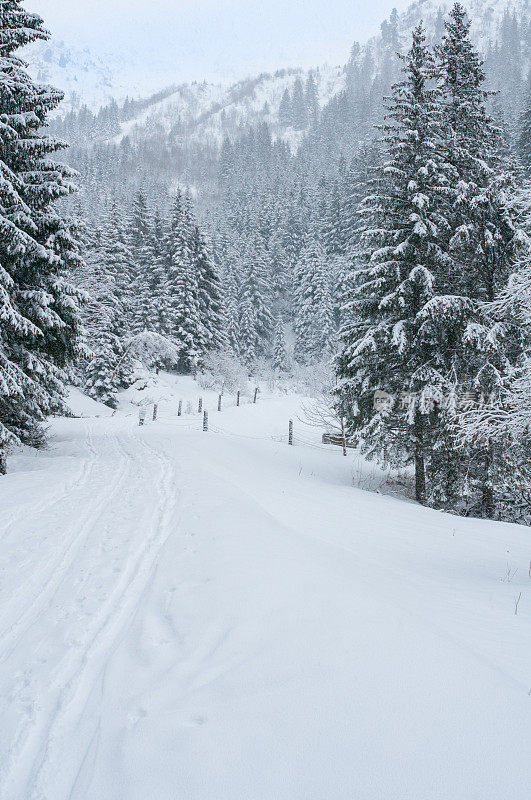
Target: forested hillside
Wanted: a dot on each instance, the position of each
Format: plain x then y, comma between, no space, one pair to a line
236,220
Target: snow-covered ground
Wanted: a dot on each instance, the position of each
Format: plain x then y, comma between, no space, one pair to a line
219,616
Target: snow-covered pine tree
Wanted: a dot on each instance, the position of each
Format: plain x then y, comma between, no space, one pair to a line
299,107
335,228
117,266
227,260
503,419
107,281
358,180
140,243
483,246
211,309
285,114
101,376
232,311
313,308
185,326
280,351
38,307
247,325
158,300
384,344
312,99
524,138
256,320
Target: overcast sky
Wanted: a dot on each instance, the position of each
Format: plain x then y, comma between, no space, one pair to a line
206,38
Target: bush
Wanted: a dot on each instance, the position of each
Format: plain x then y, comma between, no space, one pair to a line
224,372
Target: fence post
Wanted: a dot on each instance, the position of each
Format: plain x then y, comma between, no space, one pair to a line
200,406
155,410
219,403
180,409
290,434
255,394
238,398
142,415
205,421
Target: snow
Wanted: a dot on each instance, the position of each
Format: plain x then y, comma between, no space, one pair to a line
87,77
210,111
219,615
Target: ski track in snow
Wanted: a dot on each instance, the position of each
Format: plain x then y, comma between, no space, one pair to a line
221,617
34,744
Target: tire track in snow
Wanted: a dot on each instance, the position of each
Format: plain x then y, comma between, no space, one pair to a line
43,750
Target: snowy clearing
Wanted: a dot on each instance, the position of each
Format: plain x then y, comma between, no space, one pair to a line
218,616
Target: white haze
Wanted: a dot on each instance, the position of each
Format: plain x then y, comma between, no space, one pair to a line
216,38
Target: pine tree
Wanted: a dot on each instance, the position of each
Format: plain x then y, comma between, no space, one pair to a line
185,323
231,294
101,379
314,322
524,138
209,294
385,346
104,312
299,107
502,420
335,225
312,99
285,111
140,242
280,353
483,248
256,321
159,291
38,307
248,342
117,268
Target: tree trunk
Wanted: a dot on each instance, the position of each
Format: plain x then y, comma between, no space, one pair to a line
3,462
487,501
420,475
343,437
420,466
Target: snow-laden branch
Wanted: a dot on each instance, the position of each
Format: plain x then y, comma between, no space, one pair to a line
148,346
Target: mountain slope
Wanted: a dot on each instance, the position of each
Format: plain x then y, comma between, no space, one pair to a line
206,113
83,76
203,111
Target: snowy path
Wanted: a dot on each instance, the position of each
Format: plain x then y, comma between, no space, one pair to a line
216,617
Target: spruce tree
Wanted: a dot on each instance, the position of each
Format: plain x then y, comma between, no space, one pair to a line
256,321
312,99
483,248
285,110
185,323
314,322
38,306
524,138
209,294
140,242
280,353
385,347
232,312
248,336
299,107
117,268
101,378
